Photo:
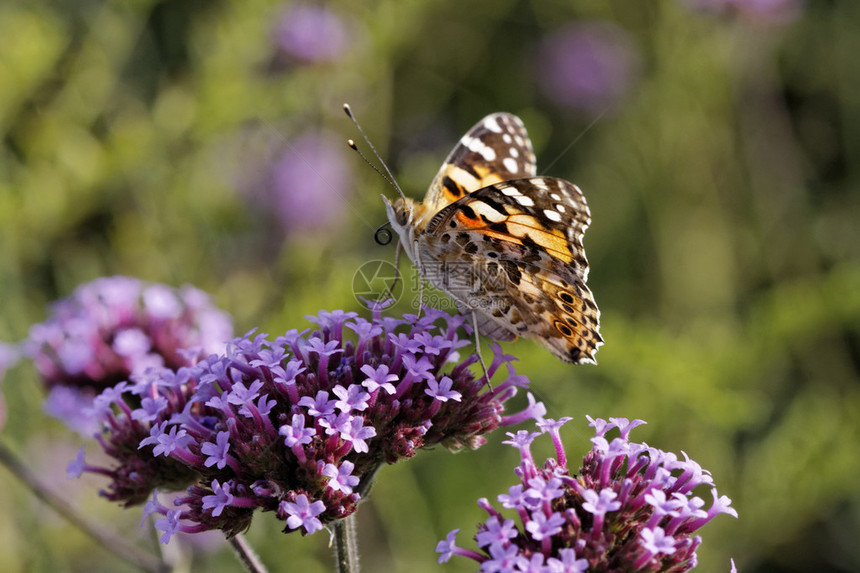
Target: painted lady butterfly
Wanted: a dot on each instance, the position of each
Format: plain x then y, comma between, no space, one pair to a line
504,243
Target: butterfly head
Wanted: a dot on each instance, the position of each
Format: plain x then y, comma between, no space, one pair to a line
402,214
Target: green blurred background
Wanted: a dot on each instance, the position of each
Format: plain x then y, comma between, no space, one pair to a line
717,142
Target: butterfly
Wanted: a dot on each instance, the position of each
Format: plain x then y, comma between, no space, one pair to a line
504,243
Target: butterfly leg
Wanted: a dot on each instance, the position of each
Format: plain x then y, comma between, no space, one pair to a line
389,292
478,348
420,298
420,286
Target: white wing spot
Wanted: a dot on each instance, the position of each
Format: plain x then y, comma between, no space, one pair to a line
560,208
462,177
552,215
510,164
492,124
519,141
540,184
509,191
507,138
489,213
525,201
487,153
555,197
513,152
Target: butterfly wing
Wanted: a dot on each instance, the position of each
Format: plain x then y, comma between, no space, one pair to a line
512,252
497,148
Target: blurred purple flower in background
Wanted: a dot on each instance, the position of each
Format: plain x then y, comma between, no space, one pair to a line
630,507
9,356
765,11
588,66
311,183
116,327
309,33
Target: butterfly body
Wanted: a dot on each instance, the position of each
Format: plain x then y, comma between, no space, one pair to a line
505,243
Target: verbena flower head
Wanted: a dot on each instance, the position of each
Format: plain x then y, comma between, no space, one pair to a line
630,507
9,356
307,33
588,66
117,326
298,425
114,326
309,182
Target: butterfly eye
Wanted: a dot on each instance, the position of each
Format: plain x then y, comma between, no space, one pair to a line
402,217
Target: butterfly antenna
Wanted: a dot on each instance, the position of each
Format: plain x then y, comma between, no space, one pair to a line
390,178
355,148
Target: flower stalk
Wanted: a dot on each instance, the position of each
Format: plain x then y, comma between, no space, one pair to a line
345,541
102,535
245,554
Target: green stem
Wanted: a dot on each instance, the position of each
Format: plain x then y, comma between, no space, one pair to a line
345,537
346,545
246,554
363,488
105,537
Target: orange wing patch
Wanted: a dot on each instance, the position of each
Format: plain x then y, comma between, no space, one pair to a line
552,240
457,182
518,228
487,176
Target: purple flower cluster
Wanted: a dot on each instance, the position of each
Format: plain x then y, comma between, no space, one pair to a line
588,66
298,425
9,356
630,508
311,34
309,184
114,327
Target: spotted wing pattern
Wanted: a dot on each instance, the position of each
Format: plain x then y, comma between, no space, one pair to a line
517,248
497,148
